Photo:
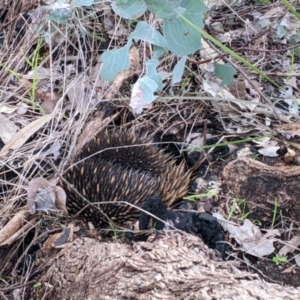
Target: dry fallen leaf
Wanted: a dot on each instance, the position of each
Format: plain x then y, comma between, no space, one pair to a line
238,88
290,246
22,109
23,135
42,196
250,237
76,91
58,240
42,73
7,109
48,106
8,129
269,151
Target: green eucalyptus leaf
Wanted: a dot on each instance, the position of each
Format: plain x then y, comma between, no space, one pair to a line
115,61
145,32
130,9
182,38
178,70
225,72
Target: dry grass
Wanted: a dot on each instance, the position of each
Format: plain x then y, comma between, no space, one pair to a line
71,86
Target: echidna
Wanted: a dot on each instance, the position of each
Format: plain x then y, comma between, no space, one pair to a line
119,166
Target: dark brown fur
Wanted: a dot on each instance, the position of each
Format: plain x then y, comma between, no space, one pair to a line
117,167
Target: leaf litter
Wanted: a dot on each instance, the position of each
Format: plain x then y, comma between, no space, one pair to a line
237,106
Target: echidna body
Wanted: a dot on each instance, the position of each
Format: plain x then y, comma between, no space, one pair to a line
117,167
